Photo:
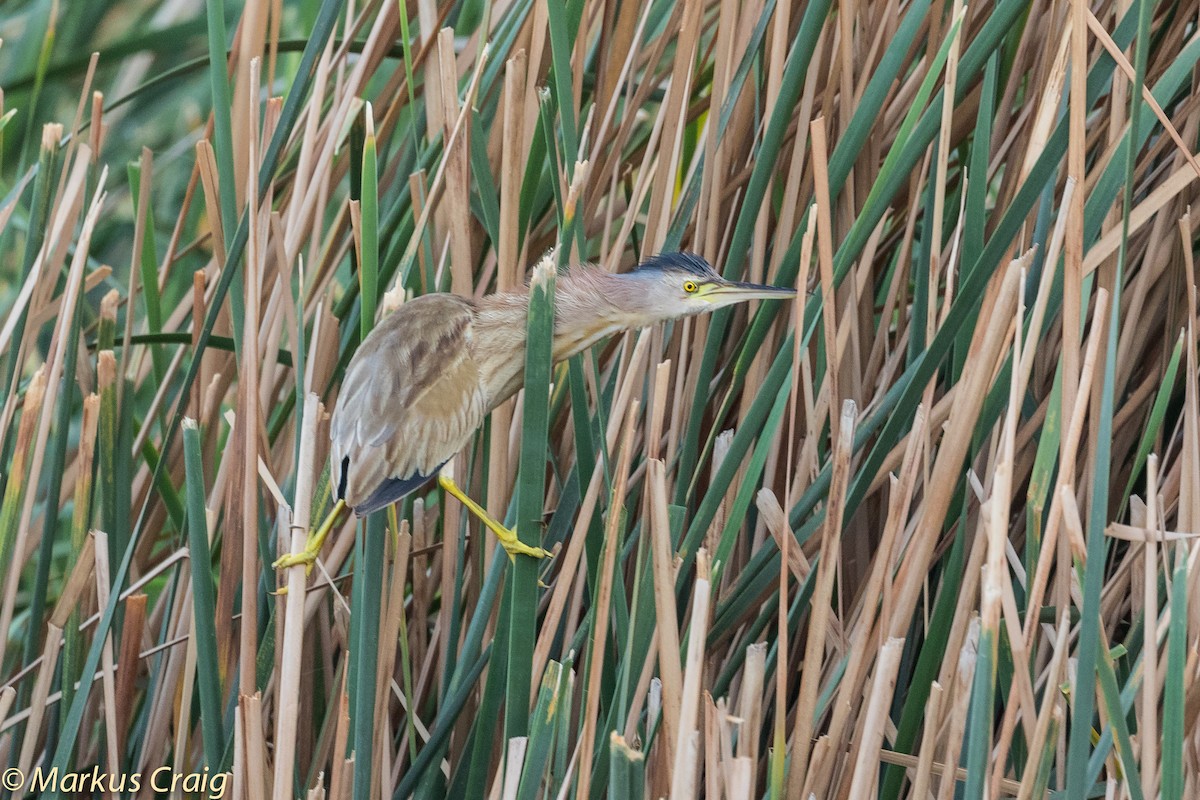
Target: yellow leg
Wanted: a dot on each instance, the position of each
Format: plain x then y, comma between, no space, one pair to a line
508,539
312,547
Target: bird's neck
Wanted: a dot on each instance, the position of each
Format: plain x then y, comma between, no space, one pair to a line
583,316
584,311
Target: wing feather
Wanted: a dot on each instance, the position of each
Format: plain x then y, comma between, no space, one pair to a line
410,400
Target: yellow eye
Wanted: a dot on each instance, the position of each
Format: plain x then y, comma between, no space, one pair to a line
690,287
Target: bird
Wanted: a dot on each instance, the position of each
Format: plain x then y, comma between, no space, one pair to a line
425,378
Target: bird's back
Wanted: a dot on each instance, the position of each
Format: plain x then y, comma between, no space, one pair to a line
411,399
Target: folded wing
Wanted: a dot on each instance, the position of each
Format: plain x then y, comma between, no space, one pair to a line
410,400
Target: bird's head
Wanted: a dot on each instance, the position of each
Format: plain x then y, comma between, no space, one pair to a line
680,284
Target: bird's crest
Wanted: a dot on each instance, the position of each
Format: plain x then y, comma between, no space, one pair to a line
688,262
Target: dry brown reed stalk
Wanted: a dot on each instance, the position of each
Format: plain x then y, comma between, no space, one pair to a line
604,595
686,761
670,669
822,597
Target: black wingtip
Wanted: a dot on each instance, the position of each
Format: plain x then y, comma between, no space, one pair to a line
342,473
392,490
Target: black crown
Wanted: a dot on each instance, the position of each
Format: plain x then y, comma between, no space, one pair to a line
688,262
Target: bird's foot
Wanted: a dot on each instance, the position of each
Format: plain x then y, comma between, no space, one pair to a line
306,557
515,547
312,547
508,538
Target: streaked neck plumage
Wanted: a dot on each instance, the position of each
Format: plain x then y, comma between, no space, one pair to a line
586,311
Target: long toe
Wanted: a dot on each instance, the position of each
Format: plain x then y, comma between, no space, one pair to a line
517,547
305,557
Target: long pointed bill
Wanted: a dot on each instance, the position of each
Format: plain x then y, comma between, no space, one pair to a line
725,294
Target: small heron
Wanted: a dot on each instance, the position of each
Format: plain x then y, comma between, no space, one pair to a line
425,378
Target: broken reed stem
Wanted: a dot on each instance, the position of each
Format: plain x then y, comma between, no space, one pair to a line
686,754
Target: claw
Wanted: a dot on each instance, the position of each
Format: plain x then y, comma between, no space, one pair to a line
514,546
305,557
308,556
508,538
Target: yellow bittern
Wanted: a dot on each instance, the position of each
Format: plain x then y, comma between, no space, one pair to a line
425,378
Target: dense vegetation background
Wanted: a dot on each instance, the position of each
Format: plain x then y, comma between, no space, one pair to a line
929,532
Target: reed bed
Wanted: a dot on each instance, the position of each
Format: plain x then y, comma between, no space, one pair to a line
929,532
